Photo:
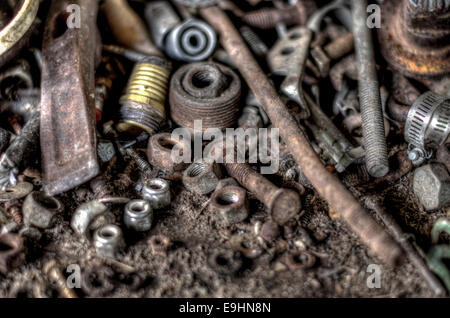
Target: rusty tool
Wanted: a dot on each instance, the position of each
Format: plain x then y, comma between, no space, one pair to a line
328,186
68,140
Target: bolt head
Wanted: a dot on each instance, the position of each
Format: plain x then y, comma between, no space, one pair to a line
432,186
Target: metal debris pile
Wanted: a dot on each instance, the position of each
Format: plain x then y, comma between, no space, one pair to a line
91,93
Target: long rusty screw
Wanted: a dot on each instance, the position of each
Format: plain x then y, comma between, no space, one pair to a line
328,185
283,204
369,94
52,271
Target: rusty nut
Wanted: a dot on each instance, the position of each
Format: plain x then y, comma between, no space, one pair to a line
432,186
12,252
159,152
202,177
231,204
40,210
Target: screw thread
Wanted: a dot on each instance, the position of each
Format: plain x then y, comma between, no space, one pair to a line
143,104
253,40
268,18
373,129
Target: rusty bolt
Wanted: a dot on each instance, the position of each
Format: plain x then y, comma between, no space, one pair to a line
12,252
283,204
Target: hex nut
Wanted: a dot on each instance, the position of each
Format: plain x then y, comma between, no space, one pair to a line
108,240
159,152
138,215
231,204
12,252
40,210
202,177
432,186
157,192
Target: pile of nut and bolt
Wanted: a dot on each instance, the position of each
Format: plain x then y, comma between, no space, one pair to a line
92,93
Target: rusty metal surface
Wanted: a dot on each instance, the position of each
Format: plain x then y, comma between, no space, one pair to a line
205,91
404,50
159,152
68,139
329,187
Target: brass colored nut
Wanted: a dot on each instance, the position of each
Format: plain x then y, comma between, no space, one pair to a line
201,177
231,204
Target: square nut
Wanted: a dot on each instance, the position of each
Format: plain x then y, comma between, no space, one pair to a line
202,177
432,186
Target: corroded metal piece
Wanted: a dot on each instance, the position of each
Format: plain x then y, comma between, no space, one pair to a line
69,156
414,39
205,91
159,152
